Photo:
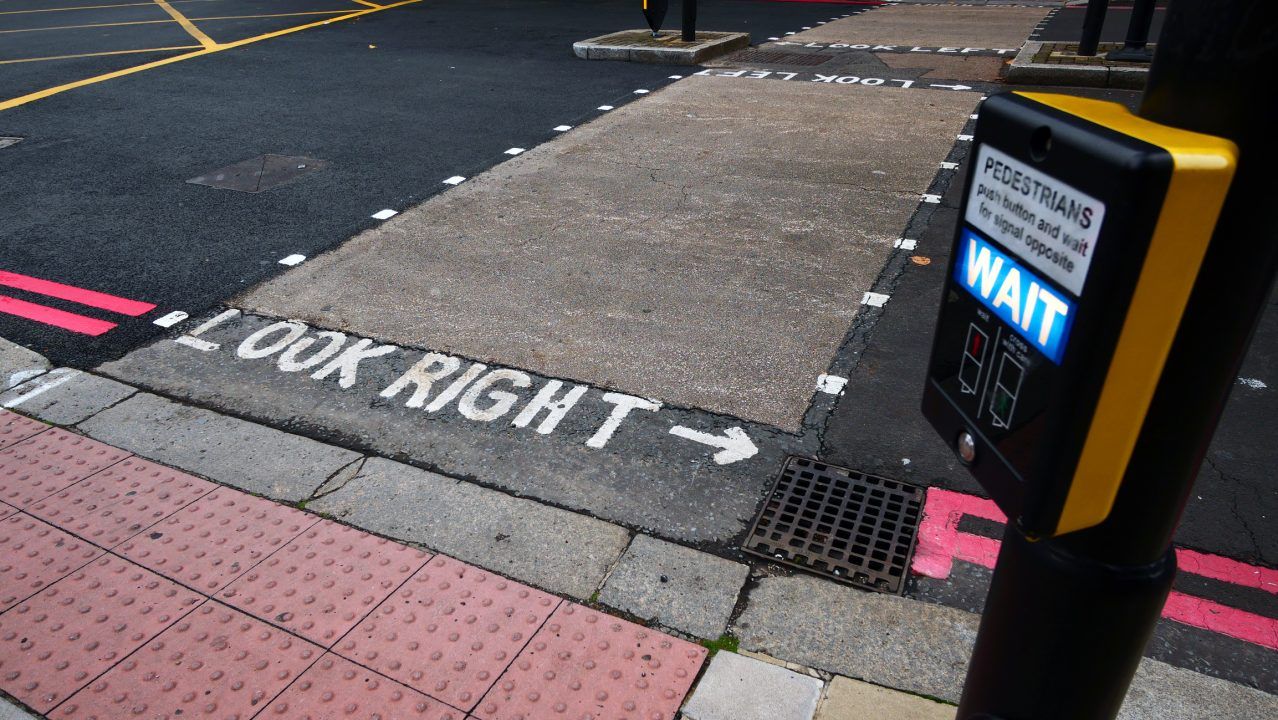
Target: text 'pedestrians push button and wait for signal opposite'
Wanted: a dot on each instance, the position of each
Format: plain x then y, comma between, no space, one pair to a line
1081,233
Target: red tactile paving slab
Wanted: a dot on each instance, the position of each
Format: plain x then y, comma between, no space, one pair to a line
450,631
338,688
59,640
34,555
587,664
117,503
214,540
215,663
42,465
325,581
16,428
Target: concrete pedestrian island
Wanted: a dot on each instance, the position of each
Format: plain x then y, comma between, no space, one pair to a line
666,48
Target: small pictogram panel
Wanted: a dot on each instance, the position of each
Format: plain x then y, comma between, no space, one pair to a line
215,663
121,501
16,428
587,664
211,542
449,631
324,582
60,640
34,555
338,688
42,465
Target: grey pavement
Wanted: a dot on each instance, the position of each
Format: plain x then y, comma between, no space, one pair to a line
65,396
675,586
253,457
886,640
724,278
735,687
18,364
931,25
558,550
9,711
847,699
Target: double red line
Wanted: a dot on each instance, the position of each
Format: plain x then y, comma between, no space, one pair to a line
60,318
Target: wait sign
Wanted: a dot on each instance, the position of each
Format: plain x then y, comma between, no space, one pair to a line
1081,234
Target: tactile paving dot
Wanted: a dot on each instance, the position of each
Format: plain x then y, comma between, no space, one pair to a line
16,428
59,640
42,465
338,688
117,503
325,581
587,664
216,662
449,631
34,555
214,540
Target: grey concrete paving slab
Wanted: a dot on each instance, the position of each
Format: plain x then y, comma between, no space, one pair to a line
848,699
65,396
722,278
1163,691
955,26
249,456
887,640
18,364
580,447
9,711
678,587
741,688
554,549
948,67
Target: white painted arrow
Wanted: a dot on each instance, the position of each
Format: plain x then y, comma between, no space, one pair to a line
735,444
953,87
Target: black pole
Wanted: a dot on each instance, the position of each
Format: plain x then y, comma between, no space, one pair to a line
1067,619
1093,21
689,20
1134,48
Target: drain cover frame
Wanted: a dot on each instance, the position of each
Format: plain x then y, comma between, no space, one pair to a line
260,173
777,57
842,524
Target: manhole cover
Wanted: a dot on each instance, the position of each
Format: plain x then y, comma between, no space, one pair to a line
260,173
772,57
7,141
851,527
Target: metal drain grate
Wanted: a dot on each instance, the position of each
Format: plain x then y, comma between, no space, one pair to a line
772,57
260,173
852,527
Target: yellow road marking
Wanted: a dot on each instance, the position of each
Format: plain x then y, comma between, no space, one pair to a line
366,2
187,25
160,22
40,94
98,54
95,7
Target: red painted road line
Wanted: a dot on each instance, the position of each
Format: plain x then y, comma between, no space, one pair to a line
91,298
941,543
52,316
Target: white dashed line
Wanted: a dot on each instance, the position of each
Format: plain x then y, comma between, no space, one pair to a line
675,77
874,299
641,91
455,180
831,384
949,166
514,151
562,128
934,199
171,319
386,214
905,244
965,138
605,108
293,259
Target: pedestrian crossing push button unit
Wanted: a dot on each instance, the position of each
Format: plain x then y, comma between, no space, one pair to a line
1080,235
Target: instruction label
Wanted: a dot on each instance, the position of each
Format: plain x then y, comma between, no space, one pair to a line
1050,225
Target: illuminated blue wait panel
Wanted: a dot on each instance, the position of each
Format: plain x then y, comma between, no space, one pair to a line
1016,295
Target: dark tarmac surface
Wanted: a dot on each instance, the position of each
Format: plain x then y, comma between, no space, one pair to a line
1067,23
395,101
